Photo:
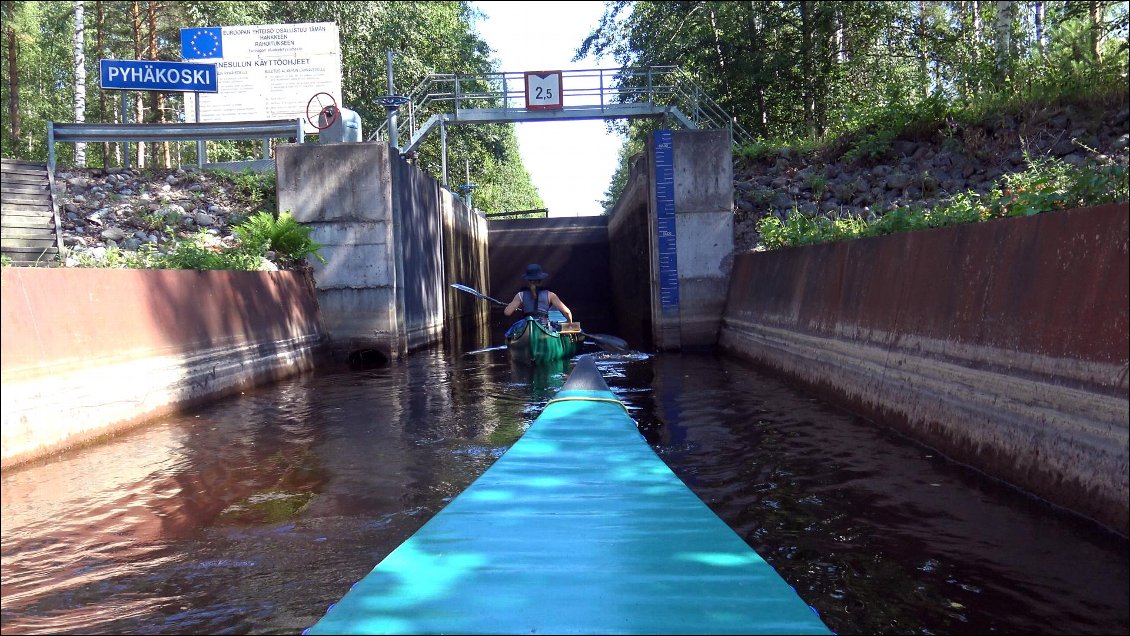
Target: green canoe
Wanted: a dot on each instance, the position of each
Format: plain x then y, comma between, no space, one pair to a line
579,528
531,342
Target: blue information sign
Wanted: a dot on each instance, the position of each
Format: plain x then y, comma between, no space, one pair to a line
157,75
665,221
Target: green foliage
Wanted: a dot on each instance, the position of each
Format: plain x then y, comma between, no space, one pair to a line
764,149
879,128
155,221
818,183
1047,185
257,191
289,239
504,184
859,75
196,254
628,149
192,253
1056,185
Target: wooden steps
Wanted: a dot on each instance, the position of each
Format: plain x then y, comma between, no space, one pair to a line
29,233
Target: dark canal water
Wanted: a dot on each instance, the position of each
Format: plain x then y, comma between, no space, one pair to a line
252,515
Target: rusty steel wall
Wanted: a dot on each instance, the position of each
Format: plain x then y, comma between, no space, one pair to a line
464,259
1003,344
90,351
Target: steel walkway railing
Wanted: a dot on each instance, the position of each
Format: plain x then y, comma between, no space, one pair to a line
216,131
654,91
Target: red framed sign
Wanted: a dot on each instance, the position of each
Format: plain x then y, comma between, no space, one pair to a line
543,90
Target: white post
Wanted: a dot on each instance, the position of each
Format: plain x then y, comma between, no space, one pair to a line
201,145
392,132
443,149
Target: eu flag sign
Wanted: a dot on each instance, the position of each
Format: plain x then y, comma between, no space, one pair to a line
201,43
157,75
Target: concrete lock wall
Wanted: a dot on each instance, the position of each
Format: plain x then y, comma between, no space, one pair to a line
419,246
1003,344
629,244
381,222
704,230
703,196
87,352
344,192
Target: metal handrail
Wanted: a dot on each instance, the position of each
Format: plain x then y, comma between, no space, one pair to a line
669,86
207,131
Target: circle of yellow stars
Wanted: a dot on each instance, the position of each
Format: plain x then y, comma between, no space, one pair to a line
213,41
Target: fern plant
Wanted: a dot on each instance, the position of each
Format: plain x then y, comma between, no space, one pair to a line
289,239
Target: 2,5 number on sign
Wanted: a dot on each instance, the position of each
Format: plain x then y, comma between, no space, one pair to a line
543,90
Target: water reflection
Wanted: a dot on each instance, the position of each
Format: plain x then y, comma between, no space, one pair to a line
254,514
880,534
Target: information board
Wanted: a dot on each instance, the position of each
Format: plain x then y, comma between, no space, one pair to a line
665,221
265,71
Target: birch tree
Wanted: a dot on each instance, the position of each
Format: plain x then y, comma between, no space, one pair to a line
1002,39
1038,25
80,78
13,69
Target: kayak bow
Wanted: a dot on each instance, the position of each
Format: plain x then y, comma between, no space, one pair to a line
578,528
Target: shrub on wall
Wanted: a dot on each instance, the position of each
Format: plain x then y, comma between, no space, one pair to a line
1047,185
261,234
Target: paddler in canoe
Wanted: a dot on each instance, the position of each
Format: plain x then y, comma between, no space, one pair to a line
536,337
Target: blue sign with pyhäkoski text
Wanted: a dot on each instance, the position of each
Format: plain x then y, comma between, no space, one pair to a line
157,75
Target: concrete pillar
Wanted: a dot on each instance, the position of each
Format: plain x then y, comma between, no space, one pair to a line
345,193
689,283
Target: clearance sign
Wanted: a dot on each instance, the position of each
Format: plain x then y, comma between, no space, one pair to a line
267,71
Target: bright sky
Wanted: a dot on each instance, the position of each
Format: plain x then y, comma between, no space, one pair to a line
570,162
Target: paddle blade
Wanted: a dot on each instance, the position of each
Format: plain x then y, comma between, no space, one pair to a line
608,343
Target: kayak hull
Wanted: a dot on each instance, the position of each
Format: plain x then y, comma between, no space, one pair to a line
578,528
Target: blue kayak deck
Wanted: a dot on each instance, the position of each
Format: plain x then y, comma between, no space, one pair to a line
578,528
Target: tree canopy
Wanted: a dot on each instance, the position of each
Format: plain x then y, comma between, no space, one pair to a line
790,71
40,73
809,70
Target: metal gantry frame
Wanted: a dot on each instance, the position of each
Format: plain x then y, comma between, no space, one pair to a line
441,100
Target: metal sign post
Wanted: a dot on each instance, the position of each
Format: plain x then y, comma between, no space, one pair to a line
390,109
392,103
125,144
201,145
468,187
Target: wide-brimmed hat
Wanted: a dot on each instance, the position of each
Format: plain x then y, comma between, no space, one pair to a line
535,272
